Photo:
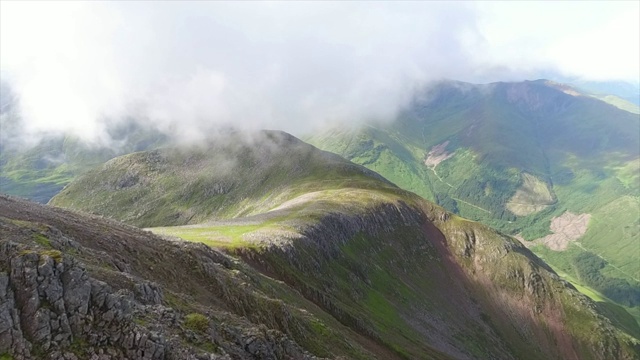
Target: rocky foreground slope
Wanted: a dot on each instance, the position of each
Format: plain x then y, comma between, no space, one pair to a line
79,287
338,263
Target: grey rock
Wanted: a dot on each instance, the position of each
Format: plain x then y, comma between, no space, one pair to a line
148,293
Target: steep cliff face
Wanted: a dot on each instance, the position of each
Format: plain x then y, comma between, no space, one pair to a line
429,285
50,303
534,310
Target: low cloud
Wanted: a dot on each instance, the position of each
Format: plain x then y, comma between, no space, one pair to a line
188,69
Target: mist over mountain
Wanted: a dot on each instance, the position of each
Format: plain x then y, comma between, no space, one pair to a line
467,185
187,69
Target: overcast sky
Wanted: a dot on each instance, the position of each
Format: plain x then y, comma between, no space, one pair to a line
187,67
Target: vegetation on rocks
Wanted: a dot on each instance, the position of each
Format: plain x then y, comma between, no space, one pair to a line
196,322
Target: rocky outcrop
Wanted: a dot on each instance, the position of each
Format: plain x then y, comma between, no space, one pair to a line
67,293
52,308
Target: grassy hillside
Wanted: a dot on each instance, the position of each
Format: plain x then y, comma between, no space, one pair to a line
516,156
410,279
237,176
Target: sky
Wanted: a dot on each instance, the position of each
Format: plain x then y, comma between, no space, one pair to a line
187,68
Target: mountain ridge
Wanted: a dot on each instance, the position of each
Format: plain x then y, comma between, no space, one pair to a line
391,266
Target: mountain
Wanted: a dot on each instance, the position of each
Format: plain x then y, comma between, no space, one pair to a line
539,160
359,267
243,174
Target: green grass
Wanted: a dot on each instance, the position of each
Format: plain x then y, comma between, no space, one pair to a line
622,317
54,254
619,103
617,223
592,294
79,347
196,322
221,236
629,174
42,240
381,152
305,207
41,171
586,290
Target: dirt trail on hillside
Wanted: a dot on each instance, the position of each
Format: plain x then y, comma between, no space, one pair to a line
566,228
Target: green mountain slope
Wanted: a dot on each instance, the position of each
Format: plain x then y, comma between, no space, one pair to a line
410,279
521,157
238,176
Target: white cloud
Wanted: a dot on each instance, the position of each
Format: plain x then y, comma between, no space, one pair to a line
609,51
187,67
595,40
